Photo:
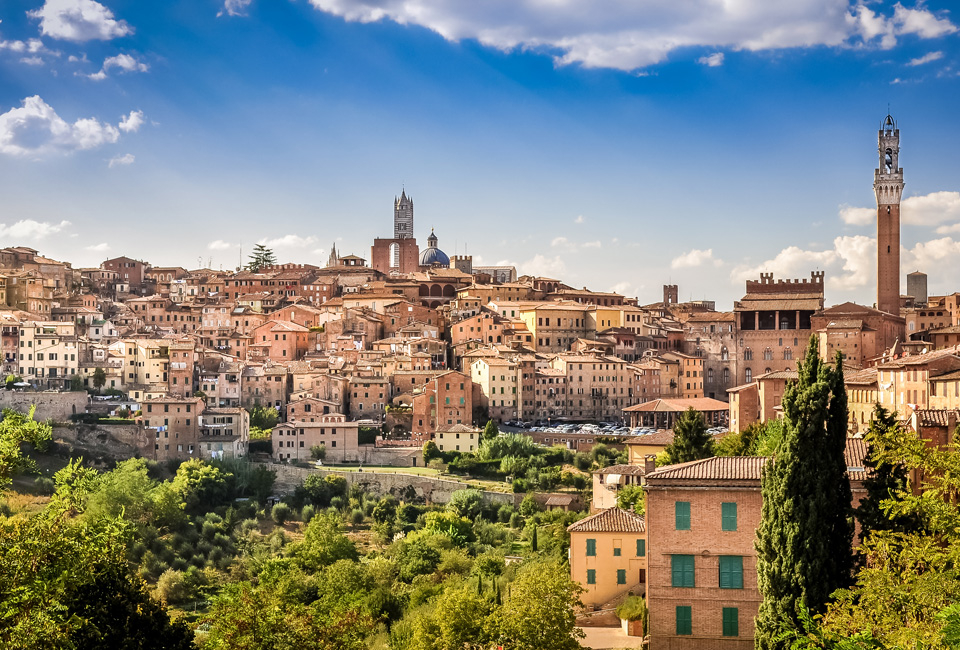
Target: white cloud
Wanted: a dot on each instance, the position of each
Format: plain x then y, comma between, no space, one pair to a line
560,242
695,258
219,245
32,60
849,265
289,241
938,256
131,123
99,248
30,229
712,61
579,219
926,58
592,244
541,265
79,21
36,129
857,216
124,62
234,8
125,159
923,210
631,35
30,46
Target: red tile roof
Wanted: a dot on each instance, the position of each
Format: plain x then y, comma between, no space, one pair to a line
611,520
722,468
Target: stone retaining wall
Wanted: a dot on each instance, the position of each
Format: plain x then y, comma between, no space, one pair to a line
51,405
407,487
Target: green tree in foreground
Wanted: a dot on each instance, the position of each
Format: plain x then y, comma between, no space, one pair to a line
804,538
99,378
490,430
539,614
64,581
15,429
632,497
690,438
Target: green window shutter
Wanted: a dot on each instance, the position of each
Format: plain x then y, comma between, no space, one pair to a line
591,576
731,621
641,547
731,572
616,552
621,576
681,569
682,512
591,547
684,620
728,516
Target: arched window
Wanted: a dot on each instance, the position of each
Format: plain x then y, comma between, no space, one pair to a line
726,376
748,355
748,375
768,355
724,354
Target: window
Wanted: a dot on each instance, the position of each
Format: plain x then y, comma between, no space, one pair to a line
728,516
682,515
684,620
731,572
748,355
681,569
591,548
591,576
641,547
621,576
748,375
731,621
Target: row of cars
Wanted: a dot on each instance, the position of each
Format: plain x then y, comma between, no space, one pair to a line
601,429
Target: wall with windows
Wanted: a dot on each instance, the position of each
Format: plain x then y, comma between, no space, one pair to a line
702,581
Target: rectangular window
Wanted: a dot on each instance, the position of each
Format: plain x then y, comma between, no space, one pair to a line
681,568
641,548
621,576
591,548
731,621
728,516
682,515
591,576
731,572
684,620
616,552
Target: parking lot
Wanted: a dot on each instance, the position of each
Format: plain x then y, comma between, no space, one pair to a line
598,429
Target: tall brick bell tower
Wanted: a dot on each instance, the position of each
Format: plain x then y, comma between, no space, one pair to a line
888,184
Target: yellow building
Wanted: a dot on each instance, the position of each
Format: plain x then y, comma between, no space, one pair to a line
497,379
608,555
48,353
555,327
146,363
458,437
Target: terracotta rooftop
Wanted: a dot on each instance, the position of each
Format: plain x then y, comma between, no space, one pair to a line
933,417
663,437
789,375
720,468
611,520
675,405
628,470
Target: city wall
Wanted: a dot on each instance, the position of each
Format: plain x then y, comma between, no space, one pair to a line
51,405
407,487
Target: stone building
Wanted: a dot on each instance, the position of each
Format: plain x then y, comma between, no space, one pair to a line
888,185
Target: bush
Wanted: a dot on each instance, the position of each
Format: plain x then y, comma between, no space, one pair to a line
356,517
280,513
519,485
172,587
504,513
307,514
516,520
634,608
44,485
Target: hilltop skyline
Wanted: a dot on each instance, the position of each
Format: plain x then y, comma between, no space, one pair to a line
619,150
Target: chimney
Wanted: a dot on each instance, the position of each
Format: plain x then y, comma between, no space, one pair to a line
649,464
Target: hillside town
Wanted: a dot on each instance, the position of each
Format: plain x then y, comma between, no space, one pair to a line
408,354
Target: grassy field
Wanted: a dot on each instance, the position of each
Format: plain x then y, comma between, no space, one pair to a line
492,486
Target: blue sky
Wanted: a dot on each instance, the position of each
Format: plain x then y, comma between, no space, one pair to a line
614,144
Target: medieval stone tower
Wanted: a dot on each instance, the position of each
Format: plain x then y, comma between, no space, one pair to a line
888,184
403,217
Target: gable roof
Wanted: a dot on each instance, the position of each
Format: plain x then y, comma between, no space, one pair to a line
719,468
611,520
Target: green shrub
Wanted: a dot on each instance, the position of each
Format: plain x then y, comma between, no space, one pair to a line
307,513
519,485
356,517
280,513
634,608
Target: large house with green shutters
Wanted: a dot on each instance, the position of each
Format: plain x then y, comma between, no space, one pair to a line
608,555
701,521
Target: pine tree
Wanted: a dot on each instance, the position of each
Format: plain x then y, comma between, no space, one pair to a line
261,257
490,431
690,438
805,535
885,480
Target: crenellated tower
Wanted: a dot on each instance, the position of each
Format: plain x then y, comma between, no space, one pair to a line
888,185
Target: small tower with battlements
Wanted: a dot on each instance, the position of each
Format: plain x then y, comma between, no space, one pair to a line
888,185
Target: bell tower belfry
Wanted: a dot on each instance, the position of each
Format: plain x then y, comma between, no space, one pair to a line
403,216
888,185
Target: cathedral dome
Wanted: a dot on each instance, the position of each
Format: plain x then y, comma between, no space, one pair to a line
433,256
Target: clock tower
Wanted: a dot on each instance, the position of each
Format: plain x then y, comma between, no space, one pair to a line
888,185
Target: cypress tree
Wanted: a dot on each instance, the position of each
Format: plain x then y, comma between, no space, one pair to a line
533,540
805,534
690,438
479,584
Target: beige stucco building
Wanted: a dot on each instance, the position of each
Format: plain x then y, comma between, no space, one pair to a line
608,555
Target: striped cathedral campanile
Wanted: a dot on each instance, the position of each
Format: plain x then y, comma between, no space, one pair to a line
888,184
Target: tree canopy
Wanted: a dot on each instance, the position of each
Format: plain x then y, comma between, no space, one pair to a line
261,257
690,438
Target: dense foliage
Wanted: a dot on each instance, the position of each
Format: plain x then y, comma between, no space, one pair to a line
804,538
